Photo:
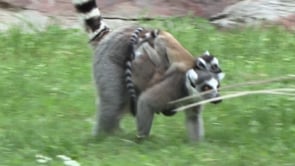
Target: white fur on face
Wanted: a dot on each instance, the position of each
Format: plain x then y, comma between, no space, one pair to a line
191,76
213,83
215,61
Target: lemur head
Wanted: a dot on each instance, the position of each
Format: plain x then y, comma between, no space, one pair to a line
208,62
199,81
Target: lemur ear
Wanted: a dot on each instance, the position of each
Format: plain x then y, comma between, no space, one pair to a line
192,75
220,76
206,53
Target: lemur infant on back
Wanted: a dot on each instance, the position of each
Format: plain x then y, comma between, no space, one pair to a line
164,83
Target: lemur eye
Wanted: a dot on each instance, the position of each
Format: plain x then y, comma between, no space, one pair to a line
206,88
215,68
201,65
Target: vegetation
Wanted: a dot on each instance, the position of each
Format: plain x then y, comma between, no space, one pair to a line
47,102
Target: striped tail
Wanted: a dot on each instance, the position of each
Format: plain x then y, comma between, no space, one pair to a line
138,37
128,70
93,21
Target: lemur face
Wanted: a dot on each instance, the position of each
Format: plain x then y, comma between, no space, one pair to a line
208,62
199,81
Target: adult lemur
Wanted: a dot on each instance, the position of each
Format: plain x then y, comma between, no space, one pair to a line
112,53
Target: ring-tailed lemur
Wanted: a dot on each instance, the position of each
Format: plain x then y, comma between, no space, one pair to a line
205,62
111,52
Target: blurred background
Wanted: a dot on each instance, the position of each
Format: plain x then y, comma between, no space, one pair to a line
222,13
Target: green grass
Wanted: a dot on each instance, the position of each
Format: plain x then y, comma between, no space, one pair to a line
47,98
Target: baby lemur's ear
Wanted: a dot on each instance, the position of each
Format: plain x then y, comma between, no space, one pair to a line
206,53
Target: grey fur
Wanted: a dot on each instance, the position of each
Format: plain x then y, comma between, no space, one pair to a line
108,73
173,86
152,75
155,81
